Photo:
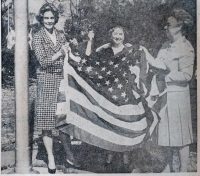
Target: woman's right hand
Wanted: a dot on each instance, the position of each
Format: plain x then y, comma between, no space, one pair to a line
105,46
91,35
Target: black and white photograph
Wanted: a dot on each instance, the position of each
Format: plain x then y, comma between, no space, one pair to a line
99,87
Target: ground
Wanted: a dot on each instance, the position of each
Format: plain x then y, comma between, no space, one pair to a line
92,159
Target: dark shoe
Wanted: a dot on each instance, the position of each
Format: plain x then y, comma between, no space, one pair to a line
51,171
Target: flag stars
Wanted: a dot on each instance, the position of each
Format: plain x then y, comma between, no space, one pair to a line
124,58
103,69
111,63
110,89
89,69
126,100
97,63
116,65
119,86
84,61
114,97
108,83
116,80
98,84
124,74
79,68
123,94
108,73
100,77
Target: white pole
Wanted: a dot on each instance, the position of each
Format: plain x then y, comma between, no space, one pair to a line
8,17
21,87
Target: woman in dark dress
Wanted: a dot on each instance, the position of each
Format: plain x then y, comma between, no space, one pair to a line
114,74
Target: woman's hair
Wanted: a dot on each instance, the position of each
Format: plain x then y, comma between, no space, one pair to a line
183,18
116,27
45,8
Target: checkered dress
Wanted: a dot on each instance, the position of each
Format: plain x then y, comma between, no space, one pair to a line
49,75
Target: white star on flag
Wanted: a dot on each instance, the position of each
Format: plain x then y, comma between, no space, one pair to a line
111,62
123,94
89,69
97,63
116,65
119,86
103,69
79,68
124,74
114,97
116,80
124,58
84,61
98,84
109,72
107,82
110,89
100,77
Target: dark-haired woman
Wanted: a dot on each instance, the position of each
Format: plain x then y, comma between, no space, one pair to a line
50,48
116,80
175,63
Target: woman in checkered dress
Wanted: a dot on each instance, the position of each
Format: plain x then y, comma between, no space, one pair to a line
50,48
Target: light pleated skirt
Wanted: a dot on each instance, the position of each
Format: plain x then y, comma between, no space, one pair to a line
175,127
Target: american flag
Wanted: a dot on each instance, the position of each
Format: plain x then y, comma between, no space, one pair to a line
101,100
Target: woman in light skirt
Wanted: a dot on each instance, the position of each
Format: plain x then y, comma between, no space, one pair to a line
175,64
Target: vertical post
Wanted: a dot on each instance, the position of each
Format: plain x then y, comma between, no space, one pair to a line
21,86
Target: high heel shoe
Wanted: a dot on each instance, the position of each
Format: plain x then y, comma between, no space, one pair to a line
51,171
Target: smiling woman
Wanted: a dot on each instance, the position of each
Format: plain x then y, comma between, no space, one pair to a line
49,46
175,64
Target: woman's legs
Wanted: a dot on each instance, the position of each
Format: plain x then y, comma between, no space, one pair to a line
169,166
126,158
65,139
48,143
109,157
184,158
